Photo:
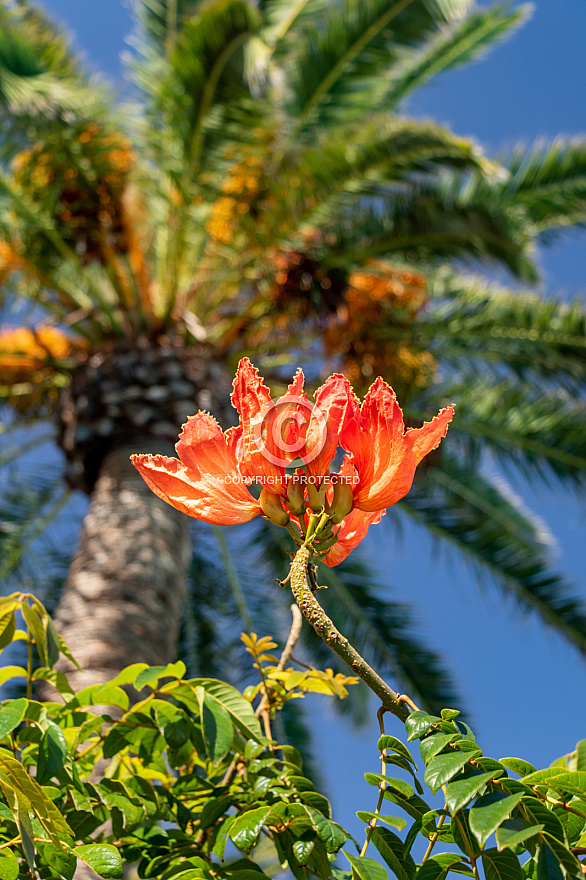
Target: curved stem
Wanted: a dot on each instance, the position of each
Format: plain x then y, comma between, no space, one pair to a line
316,616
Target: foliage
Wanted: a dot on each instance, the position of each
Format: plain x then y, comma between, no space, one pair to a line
190,786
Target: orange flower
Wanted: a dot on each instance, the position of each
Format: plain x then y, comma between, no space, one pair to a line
23,351
274,433
208,481
384,454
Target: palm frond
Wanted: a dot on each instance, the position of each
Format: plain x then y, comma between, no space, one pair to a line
233,579
459,42
41,81
541,434
284,17
28,512
353,42
202,75
549,182
429,224
478,327
501,540
160,21
385,150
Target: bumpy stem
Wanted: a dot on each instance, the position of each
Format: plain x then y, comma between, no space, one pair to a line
316,616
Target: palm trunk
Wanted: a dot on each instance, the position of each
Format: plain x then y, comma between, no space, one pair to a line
122,601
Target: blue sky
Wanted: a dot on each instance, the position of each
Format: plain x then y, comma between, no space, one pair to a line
527,697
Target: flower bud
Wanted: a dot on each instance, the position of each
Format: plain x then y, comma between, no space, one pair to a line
342,501
272,508
316,497
295,494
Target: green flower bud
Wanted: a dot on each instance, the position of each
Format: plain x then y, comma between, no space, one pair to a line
316,497
342,501
272,508
295,493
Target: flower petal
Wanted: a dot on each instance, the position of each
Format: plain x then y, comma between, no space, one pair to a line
384,455
260,459
351,532
206,482
375,439
333,401
423,440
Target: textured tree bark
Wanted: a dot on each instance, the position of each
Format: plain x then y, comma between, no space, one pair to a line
122,600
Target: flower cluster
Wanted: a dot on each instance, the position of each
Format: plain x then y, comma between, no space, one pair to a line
238,192
87,195
386,296
287,446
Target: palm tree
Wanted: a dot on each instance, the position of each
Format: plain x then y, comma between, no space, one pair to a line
263,195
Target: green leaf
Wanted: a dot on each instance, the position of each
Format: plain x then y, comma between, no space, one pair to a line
19,812
563,856
253,749
391,742
153,674
419,723
101,694
37,631
394,821
217,729
129,674
432,745
501,865
7,629
548,867
444,767
30,793
52,754
365,868
103,858
515,831
330,833
63,862
389,782
462,834
303,848
518,765
115,741
559,779
537,813
461,792
213,809
317,802
489,812
237,707
581,756
391,849
246,829
222,836
438,866
9,867
11,714
56,678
